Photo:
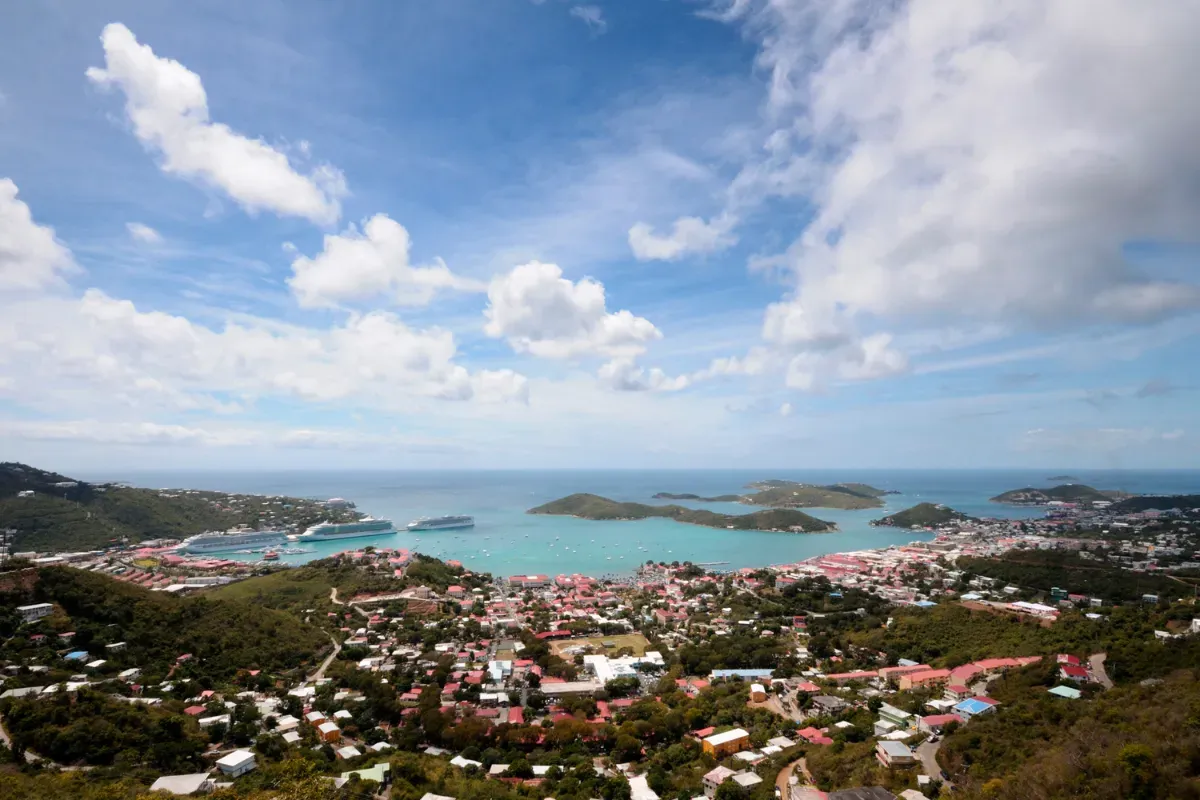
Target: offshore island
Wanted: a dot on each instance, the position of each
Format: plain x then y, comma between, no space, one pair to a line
791,494
591,506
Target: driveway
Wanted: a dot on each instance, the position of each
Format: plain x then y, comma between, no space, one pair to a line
1096,665
927,752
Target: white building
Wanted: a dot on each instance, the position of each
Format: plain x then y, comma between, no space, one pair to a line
183,784
35,612
239,762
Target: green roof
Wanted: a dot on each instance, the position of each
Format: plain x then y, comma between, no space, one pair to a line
1067,692
377,773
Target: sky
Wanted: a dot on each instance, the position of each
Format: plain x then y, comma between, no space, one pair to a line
572,234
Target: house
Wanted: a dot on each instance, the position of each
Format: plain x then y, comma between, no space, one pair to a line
239,762
183,784
714,778
348,752
934,723
747,779
1073,673
720,745
828,704
758,693
861,793
928,677
892,719
974,706
35,612
1068,692
329,732
956,692
130,675
894,754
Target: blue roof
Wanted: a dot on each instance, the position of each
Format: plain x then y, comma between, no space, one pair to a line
924,604
78,655
742,673
972,706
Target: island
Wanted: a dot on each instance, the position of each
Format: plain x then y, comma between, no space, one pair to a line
923,515
1066,493
1063,479
595,507
721,498
791,494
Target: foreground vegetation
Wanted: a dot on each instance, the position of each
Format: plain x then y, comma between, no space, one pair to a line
590,506
1042,570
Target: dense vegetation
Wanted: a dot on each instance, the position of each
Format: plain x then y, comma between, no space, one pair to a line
95,729
87,516
590,506
922,515
721,498
222,635
1067,493
1042,570
788,494
1132,743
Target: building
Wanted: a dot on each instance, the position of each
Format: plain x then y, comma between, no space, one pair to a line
720,745
934,723
529,581
758,693
895,754
892,719
974,706
329,732
35,612
928,677
239,762
714,778
183,784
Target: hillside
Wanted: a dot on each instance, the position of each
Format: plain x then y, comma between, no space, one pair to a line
1066,493
721,498
1043,570
85,516
923,515
1183,502
222,635
590,506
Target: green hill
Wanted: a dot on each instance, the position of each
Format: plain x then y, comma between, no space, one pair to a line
222,636
923,515
1067,493
790,494
590,506
84,516
1183,502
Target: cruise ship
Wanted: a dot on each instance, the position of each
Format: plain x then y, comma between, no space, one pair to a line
441,523
232,540
368,526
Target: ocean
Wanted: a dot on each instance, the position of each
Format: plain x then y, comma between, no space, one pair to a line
507,541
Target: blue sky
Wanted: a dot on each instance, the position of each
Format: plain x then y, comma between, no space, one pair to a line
599,234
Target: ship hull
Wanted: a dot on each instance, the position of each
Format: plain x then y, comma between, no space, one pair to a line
306,537
451,526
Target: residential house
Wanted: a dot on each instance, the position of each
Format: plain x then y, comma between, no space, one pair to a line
895,754
720,745
239,762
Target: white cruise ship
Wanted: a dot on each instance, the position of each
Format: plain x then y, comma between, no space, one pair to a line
368,526
441,523
232,540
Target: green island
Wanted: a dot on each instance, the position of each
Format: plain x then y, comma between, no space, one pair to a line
51,512
591,506
1181,502
1066,493
922,515
791,494
1063,479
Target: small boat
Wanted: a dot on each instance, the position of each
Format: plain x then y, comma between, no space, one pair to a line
270,555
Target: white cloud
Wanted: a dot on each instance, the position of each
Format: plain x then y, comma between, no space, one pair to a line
1113,441
143,233
982,163
357,264
540,312
31,257
688,235
623,375
785,410
167,105
98,350
592,16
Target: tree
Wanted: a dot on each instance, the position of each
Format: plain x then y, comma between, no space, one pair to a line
520,768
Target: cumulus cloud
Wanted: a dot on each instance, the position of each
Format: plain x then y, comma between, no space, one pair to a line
31,257
981,162
785,410
540,312
358,264
168,108
143,233
624,375
1095,440
592,16
689,235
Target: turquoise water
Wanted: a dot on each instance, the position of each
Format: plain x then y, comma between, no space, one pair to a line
507,541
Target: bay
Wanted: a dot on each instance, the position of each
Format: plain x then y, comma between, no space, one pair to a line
508,541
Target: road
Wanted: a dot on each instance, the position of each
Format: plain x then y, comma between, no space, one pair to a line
927,752
320,673
784,779
1096,665
333,596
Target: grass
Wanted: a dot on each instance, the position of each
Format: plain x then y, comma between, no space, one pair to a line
635,641
284,589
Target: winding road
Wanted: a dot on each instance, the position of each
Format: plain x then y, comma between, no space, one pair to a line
320,673
1096,665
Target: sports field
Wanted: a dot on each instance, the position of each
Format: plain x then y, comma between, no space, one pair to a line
610,644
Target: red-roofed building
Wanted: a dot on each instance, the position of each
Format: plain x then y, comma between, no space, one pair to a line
559,634
1074,673
814,736
516,716
703,733
841,678
935,722
810,687
929,677
194,711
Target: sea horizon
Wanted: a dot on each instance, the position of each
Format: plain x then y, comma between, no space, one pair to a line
507,541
